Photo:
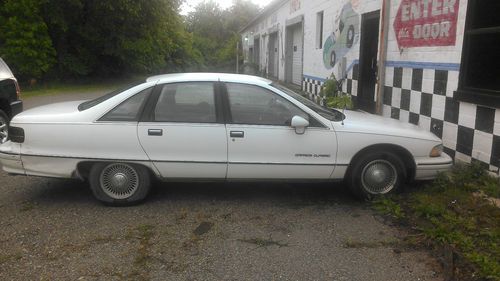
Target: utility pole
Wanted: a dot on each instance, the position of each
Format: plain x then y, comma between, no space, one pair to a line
238,56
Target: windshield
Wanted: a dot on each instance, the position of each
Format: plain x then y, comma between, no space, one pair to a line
91,103
329,113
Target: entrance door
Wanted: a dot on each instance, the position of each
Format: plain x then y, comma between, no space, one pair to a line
368,61
273,55
294,46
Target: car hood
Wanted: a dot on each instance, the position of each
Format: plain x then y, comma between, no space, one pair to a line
55,112
362,122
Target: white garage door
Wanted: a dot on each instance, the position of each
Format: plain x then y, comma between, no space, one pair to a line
297,54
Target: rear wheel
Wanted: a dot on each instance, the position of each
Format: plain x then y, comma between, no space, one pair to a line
375,174
119,183
4,127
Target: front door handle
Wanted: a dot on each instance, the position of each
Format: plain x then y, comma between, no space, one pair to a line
155,132
237,134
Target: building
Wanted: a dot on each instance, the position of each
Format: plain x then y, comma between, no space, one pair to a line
438,60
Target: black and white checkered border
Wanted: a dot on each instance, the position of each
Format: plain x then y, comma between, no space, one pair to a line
424,97
313,87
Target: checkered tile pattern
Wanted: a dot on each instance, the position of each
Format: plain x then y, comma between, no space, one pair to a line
425,97
350,84
312,87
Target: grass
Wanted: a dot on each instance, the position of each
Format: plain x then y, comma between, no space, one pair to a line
455,211
82,86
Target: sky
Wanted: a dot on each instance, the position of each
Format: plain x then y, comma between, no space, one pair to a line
189,5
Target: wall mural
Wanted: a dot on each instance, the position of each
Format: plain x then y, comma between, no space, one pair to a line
345,35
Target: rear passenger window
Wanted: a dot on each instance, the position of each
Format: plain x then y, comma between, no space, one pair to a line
130,109
192,102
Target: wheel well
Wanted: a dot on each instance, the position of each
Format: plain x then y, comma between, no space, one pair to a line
5,106
401,152
83,168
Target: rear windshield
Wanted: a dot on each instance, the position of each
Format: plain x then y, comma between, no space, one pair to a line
91,103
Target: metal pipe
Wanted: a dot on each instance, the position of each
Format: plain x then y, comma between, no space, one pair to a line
382,55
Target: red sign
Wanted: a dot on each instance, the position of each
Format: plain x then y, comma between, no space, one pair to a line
422,23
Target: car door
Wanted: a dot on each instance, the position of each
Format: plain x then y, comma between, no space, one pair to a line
183,133
263,145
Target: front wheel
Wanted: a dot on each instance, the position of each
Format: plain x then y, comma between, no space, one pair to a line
375,174
119,183
4,127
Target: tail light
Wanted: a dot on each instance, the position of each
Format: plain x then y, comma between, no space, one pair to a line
18,90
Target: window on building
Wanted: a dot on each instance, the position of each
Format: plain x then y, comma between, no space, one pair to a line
479,72
319,30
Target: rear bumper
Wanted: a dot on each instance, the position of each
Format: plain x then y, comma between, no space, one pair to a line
10,158
16,107
429,167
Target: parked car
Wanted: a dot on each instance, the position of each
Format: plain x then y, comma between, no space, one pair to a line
215,127
10,104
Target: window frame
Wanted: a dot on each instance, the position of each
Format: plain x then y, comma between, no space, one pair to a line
470,94
313,122
149,110
320,21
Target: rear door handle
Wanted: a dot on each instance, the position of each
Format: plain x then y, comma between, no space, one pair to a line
237,134
155,132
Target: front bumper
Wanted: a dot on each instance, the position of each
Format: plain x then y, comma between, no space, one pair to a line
16,107
429,167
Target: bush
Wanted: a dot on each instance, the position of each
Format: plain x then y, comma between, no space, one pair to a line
333,95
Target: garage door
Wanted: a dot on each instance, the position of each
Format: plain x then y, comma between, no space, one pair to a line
297,54
273,54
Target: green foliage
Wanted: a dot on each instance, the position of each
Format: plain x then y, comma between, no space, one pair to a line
107,38
452,211
216,32
333,95
24,39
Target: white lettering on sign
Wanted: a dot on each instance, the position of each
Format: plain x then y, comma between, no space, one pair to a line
420,9
434,31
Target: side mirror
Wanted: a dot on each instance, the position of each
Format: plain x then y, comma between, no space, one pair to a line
300,124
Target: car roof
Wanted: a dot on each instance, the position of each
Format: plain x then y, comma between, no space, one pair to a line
5,72
202,76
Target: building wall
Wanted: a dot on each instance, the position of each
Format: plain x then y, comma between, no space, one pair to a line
419,83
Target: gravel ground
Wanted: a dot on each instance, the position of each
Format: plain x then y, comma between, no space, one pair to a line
53,229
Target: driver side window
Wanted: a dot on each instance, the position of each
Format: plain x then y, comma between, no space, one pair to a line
255,105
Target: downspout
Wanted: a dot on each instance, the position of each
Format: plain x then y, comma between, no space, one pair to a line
382,55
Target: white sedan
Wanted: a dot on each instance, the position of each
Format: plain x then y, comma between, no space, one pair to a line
203,126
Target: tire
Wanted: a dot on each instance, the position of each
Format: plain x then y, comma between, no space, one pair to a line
4,127
119,184
376,174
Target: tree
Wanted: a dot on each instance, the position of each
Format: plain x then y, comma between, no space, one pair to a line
24,41
215,31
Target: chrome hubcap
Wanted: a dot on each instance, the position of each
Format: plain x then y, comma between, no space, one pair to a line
4,130
379,177
119,181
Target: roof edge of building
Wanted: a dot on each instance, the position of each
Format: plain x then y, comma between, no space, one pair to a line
268,9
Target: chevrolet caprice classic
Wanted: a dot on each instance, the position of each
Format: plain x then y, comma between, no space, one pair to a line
202,126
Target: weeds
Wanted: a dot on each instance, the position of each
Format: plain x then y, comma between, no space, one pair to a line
449,212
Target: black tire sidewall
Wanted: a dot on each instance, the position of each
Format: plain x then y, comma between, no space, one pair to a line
137,197
355,175
6,117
